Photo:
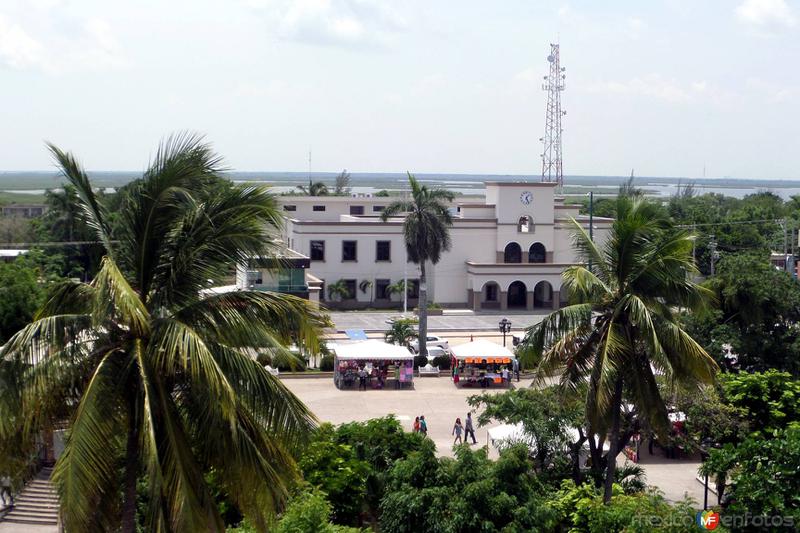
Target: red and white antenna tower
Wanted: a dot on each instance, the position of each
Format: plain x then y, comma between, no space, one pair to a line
551,155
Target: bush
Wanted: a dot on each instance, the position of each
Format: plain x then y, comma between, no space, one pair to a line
326,364
310,512
420,360
264,359
442,361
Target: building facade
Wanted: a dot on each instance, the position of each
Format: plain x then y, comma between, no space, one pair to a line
508,251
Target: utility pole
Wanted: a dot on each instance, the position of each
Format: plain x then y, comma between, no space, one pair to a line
405,264
552,168
591,223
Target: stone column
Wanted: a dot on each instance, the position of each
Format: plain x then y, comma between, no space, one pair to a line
475,300
548,257
556,300
529,300
503,300
501,257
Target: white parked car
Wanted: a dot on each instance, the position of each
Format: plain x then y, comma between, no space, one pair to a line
432,341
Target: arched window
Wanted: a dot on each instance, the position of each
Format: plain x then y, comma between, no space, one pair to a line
512,253
525,224
537,253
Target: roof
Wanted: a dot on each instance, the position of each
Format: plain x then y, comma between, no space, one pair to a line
481,348
372,349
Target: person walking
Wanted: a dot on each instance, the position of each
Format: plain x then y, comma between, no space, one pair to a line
362,379
415,427
457,430
423,426
469,429
515,366
5,491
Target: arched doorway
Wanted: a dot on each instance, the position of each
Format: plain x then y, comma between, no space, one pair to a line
491,296
537,253
516,294
543,295
512,253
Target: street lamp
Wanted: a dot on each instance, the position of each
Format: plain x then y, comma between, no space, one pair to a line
505,327
703,456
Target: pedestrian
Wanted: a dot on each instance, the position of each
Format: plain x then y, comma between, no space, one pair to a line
415,427
362,379
396,376
515,366
5,491
457,430
505,375
469,429
423,426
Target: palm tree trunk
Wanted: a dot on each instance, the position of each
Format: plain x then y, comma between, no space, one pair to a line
422,304
611,460
131,475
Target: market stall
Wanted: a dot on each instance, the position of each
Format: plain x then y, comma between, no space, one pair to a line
482,363
371,364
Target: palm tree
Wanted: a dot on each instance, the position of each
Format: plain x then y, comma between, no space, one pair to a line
316,188
622,324
156,371
401,332
398,287
338,290
426,230
342,185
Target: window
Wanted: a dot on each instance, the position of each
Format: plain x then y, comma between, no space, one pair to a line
380,289
254,277
349,251
525,224
491,292
356,209
537,253
290,208
351,289
318,250
378,208
318,208
512,253
383,251
413,288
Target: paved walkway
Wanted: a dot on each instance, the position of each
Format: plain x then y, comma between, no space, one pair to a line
441,402
6,527
460,320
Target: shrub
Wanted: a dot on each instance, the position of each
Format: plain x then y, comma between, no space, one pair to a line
310,512
326,364
264,359
442,361
420,360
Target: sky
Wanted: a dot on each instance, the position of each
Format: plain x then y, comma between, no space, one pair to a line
665,87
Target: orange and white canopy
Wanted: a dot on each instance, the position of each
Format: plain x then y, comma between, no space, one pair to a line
482,351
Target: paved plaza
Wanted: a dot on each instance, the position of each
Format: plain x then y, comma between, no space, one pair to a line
452,320
441,402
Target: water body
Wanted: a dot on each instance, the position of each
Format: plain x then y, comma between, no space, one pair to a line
35,183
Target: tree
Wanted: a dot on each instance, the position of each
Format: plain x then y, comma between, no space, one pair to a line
338,290
20,296
758,316
398,287
623,325
342,185
426,230
401,331
316,188
162,387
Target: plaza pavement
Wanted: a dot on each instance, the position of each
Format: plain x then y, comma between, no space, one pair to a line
441,402
453,320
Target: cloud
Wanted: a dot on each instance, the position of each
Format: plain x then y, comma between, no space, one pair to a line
766,13
90,46
635,27
652,86
333,22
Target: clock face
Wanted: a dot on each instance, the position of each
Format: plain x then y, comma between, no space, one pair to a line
526,197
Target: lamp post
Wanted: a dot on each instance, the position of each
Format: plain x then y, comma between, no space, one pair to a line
505,327
704,455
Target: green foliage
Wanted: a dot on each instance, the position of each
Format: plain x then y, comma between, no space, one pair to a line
327,362
621,325
442,361
20,297
150,372
316,188
758,315
763,472
401,331
769,400
581,509
310,512
342,184
338,290
350,463
383,193
546,414
470,493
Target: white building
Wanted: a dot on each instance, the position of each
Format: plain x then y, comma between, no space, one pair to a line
508,251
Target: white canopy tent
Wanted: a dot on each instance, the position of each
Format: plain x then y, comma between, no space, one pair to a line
481,349
371,349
